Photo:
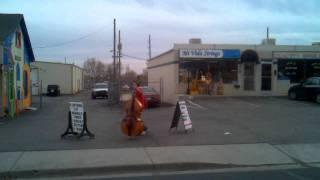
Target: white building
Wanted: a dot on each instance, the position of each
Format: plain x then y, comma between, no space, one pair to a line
68,76
231,69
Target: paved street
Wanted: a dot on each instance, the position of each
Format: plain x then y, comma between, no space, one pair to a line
292,174
218,120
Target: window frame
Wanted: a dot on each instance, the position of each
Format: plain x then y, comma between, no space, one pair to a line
18,39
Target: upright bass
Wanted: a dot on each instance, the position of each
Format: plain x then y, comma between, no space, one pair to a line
132,124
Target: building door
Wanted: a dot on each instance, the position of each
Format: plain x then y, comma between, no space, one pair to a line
266,77
248,76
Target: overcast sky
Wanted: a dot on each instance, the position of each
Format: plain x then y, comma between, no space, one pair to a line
168,21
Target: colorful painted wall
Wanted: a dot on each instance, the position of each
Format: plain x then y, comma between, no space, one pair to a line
16,86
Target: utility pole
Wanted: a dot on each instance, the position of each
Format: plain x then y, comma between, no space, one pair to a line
119,64
114,61
114,50
149,47
65,60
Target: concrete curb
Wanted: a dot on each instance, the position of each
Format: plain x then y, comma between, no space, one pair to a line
153,159
122,169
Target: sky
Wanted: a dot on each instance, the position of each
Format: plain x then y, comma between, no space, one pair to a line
79,29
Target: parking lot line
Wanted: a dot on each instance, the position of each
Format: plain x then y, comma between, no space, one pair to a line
197,105
247,103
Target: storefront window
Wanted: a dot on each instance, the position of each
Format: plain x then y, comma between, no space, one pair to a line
229,71
183,75
313,68
201,77
298,70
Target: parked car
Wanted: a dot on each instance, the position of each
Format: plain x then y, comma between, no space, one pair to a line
307,89
100,90
151,95
125,87
53,90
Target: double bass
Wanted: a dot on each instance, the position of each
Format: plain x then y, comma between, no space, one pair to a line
132,124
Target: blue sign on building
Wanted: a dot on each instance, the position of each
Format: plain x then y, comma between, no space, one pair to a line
231,53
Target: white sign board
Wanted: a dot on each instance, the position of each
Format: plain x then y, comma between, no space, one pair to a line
76,109
201,53
185,115
296,55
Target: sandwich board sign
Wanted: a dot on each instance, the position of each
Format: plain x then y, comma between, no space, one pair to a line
77,121
181,112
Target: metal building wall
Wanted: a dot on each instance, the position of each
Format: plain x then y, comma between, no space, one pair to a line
55,73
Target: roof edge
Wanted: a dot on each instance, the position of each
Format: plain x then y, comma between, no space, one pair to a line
27,38
159,55
68,64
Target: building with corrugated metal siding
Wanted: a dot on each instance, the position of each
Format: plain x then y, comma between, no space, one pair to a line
69,77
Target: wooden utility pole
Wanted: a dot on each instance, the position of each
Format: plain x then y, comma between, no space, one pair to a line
114,50
149,47
114,61
119,64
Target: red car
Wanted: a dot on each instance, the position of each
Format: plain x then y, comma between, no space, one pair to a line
151,96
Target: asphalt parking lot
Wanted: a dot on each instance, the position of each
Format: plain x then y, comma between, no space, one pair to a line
217,120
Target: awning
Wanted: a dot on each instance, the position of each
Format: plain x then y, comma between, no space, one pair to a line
249,56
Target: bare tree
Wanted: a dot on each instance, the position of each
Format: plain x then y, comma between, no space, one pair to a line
96,71
129,76
144,77
108,72
89,68
100,72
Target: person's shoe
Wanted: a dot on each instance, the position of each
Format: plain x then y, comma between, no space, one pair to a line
143,133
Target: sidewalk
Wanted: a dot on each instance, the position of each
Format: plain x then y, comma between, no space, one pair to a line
68,162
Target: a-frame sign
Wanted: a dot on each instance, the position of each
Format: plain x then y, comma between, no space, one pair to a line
181,112
77,121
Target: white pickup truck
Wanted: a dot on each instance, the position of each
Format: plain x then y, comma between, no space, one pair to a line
100,90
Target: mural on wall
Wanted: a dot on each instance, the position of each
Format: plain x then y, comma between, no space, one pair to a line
26,86
8,96
16,74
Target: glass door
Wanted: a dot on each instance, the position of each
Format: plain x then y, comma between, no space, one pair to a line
266,76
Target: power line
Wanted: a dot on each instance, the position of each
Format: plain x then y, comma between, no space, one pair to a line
70,41
134,57
82,58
